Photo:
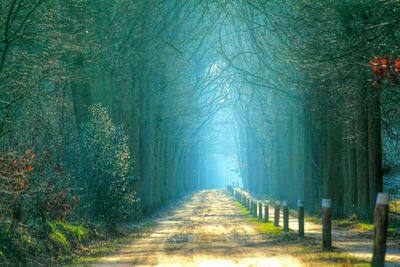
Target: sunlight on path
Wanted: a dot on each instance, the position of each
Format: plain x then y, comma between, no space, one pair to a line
205,230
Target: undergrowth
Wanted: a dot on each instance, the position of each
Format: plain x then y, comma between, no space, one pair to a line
42,245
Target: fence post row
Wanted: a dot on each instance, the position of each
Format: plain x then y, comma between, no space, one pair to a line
380,219
380,226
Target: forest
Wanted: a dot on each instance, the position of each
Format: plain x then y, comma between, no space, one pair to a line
112,110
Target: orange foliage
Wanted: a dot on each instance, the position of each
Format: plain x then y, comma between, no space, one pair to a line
385,68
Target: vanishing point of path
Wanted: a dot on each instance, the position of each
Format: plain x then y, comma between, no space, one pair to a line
206,229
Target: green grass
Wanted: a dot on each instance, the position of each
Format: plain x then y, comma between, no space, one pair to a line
242,209
317,257
264,228
393,229
305,248
60,240
313,219
395,206
268,228
78,232
356,225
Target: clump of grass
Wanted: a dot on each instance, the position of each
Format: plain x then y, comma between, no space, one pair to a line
242,209
60,240
354,224
264,228
64,235
317,257
268,228
75,231
395,206
364,227
313,219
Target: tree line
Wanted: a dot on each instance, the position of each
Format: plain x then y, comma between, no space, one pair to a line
311,120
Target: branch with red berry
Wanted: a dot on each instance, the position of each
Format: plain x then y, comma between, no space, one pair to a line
385,69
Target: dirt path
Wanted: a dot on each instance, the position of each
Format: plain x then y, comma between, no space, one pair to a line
207,229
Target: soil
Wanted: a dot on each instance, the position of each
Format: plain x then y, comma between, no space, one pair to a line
208,229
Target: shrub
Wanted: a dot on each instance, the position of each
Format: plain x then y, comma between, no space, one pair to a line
107,166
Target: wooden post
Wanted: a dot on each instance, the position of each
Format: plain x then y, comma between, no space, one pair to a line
266,211
254,208
300,217
277,212
326,224
260,207
285,216
380,225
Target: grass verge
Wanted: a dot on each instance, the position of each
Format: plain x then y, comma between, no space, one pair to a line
96,250
305,249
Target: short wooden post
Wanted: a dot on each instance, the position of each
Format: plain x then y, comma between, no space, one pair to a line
285,208
260,206
254,208
300,217
326,224
266,211
277,212
380,225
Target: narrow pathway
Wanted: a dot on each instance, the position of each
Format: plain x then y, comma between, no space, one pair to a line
207,229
